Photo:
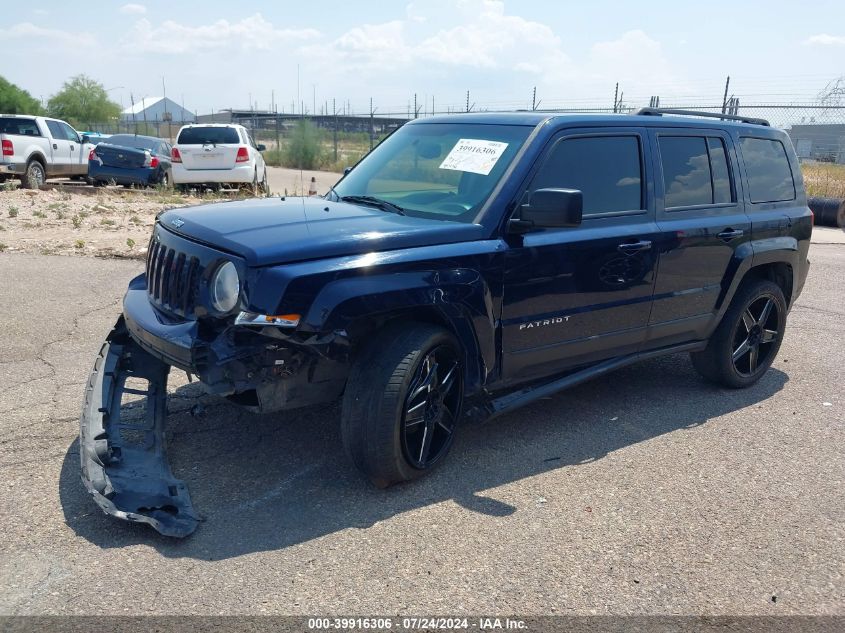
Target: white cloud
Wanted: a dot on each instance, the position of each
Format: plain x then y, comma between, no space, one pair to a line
249,33
29,32
480,36
133,9
632,57
823,39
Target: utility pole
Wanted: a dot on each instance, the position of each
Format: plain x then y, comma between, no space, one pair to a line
467,100
134,122
372,129
314,100
725,98
416,109
432,105
615,95
334,108
278,140
534,99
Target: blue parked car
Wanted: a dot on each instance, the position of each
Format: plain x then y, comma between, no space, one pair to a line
130,159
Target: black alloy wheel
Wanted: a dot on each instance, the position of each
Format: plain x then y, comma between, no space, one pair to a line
755,335
431,408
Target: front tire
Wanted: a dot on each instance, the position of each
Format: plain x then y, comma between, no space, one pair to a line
402,402
748,338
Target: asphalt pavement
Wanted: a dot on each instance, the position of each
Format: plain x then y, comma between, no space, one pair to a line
646,491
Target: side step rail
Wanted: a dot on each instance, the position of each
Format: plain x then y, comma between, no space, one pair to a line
124,465
514,400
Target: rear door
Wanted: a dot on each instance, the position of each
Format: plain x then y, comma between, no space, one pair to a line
704,230
78,158
579,295
208,147
62,157
771,196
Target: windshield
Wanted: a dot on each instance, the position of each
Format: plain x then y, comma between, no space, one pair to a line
208,136
436,170
130,140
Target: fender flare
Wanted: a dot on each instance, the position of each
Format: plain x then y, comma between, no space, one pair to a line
751,255
459,298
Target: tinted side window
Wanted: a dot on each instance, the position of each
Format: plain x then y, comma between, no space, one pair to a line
686,171
695,171
719,169
56,130
768,171
606,169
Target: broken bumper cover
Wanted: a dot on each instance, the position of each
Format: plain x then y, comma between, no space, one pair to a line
124,464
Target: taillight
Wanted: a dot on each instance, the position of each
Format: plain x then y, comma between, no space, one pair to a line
92,155
175,156
153,162
8,148
243,155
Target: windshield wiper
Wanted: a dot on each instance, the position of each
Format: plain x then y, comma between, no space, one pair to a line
384,205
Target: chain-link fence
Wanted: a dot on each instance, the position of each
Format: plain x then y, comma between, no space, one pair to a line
338,139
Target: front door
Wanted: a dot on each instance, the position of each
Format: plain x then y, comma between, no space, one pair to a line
576,296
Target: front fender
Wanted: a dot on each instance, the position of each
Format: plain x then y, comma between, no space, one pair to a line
460,297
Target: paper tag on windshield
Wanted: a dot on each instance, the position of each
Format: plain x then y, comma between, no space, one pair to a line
472,155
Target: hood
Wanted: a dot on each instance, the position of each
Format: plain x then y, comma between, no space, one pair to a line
277,231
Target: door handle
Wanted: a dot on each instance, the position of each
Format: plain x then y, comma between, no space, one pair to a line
730,234
55,146
629,248
72,147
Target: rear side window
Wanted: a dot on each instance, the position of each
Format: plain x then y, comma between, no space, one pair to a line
695,171
768,171
56,130
208,136
606,169
13,125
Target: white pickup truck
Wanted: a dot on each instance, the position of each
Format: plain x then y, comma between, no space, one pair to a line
35,148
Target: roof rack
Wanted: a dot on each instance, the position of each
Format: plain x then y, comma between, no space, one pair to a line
710,115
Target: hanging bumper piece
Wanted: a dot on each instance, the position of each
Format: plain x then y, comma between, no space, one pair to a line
124,464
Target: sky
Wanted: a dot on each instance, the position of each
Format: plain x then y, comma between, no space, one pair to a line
219,54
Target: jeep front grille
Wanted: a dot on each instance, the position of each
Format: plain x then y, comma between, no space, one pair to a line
171,279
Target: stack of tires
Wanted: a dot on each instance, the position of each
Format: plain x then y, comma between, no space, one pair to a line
828,211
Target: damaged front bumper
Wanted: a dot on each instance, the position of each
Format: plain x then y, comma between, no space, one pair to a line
124,465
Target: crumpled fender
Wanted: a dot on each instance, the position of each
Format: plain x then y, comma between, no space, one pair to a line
124,464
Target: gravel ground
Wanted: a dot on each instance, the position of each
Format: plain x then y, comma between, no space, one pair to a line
644,492
110,221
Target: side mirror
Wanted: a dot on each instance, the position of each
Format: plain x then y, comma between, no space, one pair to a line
85,139
549,208
260,148
346,170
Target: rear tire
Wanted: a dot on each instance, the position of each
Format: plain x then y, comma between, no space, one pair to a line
165,179
748,338
34,176
402,402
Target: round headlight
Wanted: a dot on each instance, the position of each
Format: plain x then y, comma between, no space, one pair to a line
225,288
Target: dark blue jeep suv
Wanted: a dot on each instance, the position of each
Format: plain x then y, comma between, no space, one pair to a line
466,266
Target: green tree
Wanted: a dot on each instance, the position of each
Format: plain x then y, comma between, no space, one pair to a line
14,100
81,101
304,149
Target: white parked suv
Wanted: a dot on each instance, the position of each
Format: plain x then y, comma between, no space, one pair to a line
218,154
